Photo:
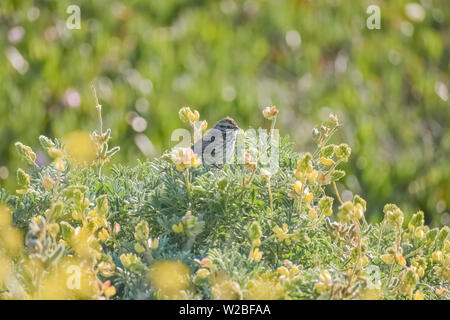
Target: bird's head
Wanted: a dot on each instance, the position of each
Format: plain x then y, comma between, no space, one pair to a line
226,124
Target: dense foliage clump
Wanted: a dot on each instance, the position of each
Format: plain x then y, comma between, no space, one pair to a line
165,231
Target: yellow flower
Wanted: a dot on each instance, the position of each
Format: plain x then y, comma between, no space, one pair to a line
139,248
177,228
325,281
420,271
312,214
363,261
5,216
106,269
294,270
187,115
309,196
184,158
282,234
265,174
437,256
204,125
255,255
25,152
270,112
420,233
55,153
298,174
108,289
169,277
283,271
256,242
440,291
48,183
358,211
116,228
325,276
400,260
298,187
195,162
249,160
203,273
80,147
326,161
418,295
206,262
103,234
59,164
130,260
153,243
312,176
388,258
76,215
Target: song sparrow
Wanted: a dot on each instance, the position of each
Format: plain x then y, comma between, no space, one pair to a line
217,146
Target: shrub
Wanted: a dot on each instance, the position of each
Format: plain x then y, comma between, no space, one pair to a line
158,230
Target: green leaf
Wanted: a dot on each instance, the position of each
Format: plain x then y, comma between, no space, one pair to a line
337,174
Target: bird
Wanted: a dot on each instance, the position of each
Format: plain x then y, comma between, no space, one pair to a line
216,147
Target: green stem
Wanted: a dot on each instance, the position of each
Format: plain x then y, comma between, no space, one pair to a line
274,120
270,197
337,192
379,238
187,181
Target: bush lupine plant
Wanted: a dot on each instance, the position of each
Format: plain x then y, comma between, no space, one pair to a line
173,229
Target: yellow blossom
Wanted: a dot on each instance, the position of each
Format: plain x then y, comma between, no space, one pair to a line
363,261
206,262
270,112
298,187
103,234
282,234
283,271
388,258
420,233
255,255
169,277
204,125
326,161
440,291
312,214
294,270
400,260
312,176
48,183
203,273
59,164
108,289
418,295
177,228
5,216
153,243
437,256
184,158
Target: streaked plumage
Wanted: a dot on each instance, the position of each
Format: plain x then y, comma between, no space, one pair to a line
217,145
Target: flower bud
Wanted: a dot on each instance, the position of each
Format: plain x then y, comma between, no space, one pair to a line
141,231
48,183
270,112
255,231
25,152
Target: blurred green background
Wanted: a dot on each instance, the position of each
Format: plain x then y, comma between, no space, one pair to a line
147,58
